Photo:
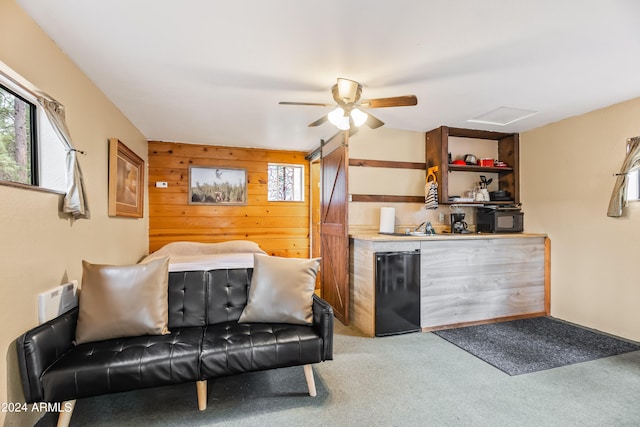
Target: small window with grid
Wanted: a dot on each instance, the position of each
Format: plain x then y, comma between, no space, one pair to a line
285,183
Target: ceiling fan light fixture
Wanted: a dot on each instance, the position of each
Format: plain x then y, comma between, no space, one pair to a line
359,117
346,113
339,118
348,90
344,123
336,116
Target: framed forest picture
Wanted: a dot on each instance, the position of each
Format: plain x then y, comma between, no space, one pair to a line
212,185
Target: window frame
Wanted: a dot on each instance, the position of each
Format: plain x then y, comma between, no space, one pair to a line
46,176
301,167
634,174
34,140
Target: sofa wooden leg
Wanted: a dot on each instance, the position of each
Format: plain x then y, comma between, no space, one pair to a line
311,383
64,418
201,386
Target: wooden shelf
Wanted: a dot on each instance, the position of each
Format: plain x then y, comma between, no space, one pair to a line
385,164
386,198
472,168
496,202
478,134
437,154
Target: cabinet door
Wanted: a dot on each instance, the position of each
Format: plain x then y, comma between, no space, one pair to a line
480,279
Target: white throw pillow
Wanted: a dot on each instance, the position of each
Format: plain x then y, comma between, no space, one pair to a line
123,301
281,290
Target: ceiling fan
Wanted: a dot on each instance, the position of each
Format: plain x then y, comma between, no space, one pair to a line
348,113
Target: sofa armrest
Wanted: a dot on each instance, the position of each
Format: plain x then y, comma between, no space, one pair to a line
39,347
323,324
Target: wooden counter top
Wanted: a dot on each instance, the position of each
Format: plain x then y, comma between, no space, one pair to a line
373,236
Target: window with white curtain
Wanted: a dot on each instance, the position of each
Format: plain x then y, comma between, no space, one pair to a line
30,151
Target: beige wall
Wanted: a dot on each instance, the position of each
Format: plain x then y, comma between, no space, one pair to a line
394,145
567,176
40,249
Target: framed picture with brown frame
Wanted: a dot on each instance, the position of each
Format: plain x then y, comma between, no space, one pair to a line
213,185
126,181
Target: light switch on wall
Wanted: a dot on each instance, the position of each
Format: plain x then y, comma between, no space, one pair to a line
162,184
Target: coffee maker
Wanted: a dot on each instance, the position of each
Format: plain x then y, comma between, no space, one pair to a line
458,224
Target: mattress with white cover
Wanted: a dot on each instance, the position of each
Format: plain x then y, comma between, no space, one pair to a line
192,256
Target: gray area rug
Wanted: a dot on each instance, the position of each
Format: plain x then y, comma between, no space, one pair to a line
529,345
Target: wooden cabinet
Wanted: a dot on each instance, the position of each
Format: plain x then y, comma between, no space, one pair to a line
476,280
465,278
437,154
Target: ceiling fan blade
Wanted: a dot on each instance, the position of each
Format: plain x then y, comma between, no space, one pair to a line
373,122
320,121
396,101
313,104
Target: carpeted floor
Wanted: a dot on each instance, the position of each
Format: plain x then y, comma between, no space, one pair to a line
416,379
529,345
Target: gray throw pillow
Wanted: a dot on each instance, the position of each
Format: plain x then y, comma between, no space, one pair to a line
281,290
123,301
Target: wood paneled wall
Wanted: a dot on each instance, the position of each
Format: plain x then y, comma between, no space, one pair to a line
280,228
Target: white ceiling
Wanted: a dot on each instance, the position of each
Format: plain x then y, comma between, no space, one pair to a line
212,72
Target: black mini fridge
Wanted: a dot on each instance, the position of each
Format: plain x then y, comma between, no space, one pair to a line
397,292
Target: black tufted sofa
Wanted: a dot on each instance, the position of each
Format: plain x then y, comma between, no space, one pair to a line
205,342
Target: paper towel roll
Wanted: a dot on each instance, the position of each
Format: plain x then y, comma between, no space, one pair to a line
387,220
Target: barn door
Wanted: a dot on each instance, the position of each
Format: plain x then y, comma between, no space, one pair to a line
334,233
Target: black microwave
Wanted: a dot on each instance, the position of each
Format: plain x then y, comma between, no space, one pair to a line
499,219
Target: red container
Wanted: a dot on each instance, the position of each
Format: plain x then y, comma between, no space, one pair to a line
485,162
